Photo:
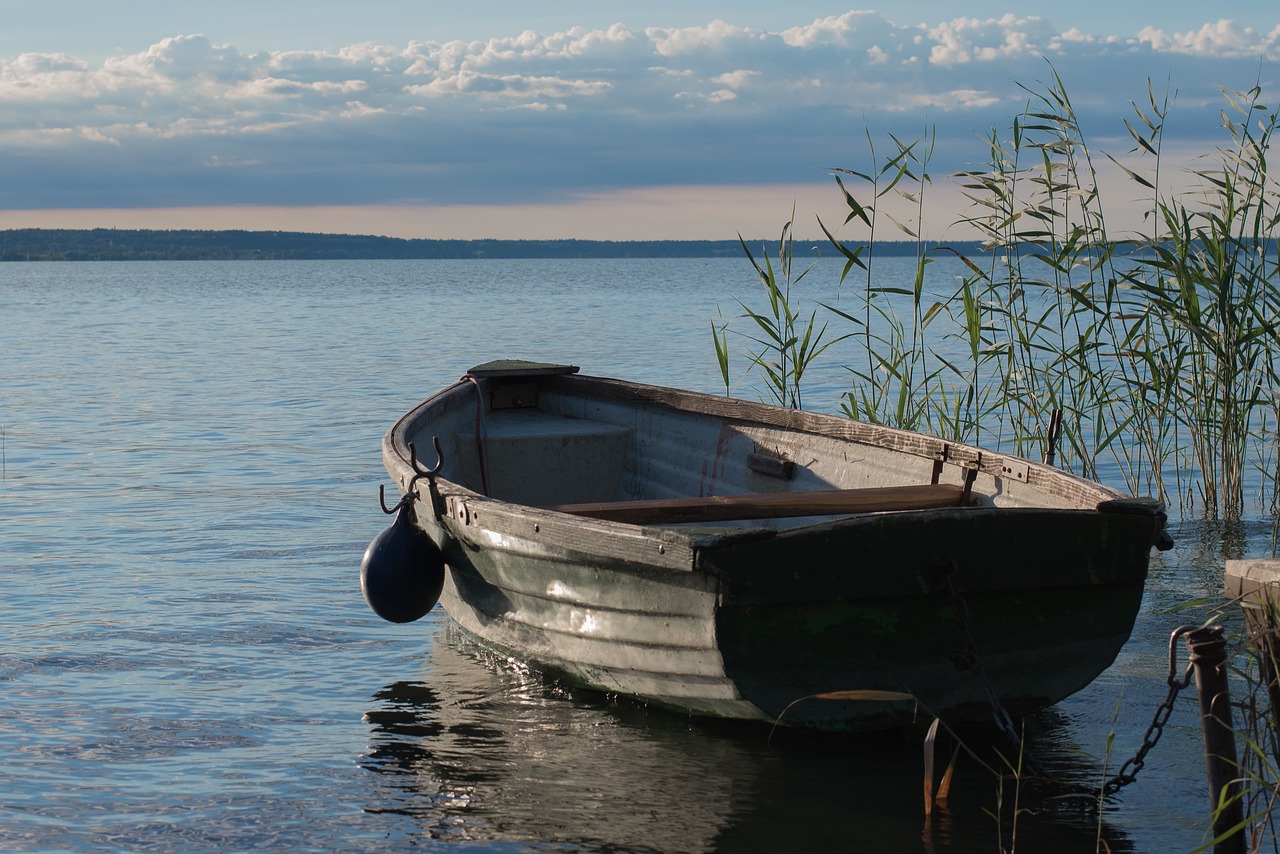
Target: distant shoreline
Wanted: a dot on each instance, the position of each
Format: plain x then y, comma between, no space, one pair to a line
110,244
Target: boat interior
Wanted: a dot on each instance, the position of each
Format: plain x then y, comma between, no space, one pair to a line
562,444
565,443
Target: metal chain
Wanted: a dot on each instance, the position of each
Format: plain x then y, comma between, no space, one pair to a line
1129,770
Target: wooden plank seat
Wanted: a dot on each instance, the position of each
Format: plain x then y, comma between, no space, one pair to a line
771,505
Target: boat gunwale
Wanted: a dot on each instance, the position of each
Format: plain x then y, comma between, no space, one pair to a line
676,548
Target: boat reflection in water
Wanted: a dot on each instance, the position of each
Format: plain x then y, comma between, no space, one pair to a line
485,750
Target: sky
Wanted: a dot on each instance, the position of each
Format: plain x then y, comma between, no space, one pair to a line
598,120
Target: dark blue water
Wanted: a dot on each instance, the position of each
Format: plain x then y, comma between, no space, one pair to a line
189,463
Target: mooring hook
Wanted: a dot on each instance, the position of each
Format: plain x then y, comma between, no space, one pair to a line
1189,674
382,499
437,505
420,472
434,470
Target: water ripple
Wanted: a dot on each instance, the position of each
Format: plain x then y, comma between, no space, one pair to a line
188,481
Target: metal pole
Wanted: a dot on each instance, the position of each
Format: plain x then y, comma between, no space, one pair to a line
1209,660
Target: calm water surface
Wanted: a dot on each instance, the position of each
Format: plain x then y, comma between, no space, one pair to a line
189,463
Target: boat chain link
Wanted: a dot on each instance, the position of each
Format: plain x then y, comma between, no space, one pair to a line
1129,770
1128,773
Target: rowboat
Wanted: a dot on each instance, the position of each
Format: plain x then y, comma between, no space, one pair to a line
733,559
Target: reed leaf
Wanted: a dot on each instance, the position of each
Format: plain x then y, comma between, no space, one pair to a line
1158,347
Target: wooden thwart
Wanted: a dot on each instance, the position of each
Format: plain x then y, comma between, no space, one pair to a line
771,505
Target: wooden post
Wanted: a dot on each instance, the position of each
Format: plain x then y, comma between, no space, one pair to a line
1256,585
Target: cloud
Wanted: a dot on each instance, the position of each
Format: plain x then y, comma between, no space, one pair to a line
1222,39
735,79
539,117
697,41
842,31
972,40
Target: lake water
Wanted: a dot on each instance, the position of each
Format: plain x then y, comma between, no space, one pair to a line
189,467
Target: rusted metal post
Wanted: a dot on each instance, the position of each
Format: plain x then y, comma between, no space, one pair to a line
1209,661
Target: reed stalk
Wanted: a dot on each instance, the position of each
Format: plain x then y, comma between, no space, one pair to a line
1210,272
895,374
783,342
1159,347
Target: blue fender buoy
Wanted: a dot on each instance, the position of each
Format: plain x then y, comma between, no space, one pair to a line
402,572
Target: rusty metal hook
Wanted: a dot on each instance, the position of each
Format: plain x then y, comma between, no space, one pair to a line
1189,673
419,473
425,472
382,499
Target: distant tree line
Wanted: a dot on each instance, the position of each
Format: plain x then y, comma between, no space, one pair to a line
110,244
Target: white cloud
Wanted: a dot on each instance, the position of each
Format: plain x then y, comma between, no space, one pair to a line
544,114
359,110
1221,39
841,31
949,100
218,161
97,135
972,40
716,36
735,79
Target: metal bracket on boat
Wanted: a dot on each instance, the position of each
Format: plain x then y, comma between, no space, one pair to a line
971,470
1016,469
1051,439
437,502
939,460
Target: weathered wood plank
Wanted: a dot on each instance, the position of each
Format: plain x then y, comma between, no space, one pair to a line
770,505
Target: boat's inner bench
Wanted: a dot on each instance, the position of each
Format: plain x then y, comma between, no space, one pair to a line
775,505
530,456
513,450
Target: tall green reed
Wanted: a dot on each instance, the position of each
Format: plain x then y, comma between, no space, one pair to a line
897,373
1158,347
782,341
1211,272
1049,286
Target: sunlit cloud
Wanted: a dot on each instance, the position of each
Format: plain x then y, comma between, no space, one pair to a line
547,118
1221,39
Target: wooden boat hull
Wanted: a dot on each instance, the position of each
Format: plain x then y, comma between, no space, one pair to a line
1026,597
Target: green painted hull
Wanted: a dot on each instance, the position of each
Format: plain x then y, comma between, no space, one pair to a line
922,607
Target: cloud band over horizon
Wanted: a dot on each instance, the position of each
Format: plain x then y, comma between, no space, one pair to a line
572,119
